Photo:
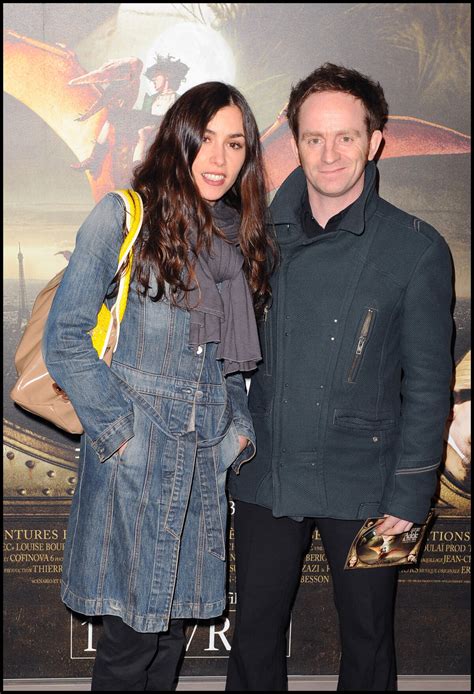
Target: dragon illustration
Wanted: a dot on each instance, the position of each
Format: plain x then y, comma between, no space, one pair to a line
122,81
96,108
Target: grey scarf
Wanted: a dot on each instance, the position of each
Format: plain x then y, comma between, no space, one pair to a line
221,306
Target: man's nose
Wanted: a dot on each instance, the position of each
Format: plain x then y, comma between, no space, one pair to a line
330,152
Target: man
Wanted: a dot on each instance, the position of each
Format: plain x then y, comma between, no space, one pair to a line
350,403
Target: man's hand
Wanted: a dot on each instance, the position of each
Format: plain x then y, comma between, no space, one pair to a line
391,525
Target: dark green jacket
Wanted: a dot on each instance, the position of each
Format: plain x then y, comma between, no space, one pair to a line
350,402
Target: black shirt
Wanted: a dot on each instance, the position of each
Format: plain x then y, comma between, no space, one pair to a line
310,226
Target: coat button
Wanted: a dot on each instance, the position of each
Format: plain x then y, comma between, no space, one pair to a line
375,439
199,350
333,338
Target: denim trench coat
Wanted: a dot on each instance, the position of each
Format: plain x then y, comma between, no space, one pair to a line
147,528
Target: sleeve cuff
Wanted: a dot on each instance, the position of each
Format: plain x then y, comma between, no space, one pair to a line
114,436
249,451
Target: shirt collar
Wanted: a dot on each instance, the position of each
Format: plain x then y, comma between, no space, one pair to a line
311,226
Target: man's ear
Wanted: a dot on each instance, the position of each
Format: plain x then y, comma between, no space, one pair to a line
374,144
294,149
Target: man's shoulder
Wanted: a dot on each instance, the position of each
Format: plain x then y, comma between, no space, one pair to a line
408,227
402,240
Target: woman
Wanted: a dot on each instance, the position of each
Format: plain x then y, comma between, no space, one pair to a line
146,536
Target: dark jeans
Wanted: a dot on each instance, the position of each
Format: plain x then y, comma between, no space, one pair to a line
130,661
269,557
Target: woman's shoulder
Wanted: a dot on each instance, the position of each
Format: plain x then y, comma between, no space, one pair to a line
110,205
105,222
112,201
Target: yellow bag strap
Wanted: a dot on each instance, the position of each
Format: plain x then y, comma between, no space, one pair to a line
106,318
134,219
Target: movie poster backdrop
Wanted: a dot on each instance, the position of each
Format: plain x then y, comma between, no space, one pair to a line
84,91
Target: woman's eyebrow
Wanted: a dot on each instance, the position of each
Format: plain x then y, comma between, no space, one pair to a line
212,132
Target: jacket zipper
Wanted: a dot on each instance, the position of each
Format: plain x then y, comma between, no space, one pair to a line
268,369
361,343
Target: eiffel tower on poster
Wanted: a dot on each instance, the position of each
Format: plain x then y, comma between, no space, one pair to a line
23,314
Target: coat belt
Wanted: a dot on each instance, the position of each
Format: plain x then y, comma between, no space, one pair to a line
204,471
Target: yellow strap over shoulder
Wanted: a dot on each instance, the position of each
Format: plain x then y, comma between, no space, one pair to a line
105,318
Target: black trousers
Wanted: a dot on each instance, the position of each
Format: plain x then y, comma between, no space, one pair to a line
269,557
130,661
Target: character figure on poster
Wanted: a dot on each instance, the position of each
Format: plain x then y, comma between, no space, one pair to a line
121,80
146,536
454,493
167,75
457,467
350,403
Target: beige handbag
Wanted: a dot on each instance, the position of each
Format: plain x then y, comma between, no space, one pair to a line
35,390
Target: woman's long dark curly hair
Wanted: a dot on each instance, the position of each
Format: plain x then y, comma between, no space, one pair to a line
173,205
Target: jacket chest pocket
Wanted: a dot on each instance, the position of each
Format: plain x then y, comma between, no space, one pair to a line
363,337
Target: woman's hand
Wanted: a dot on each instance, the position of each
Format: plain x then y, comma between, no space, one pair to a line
122,448
243,440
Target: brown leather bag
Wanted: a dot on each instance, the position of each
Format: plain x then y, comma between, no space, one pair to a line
35,390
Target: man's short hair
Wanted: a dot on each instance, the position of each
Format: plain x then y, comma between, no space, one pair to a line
337,78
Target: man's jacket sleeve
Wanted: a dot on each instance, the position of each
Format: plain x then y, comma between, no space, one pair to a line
426,330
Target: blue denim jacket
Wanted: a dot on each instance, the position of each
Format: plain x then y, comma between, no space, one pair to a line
146,534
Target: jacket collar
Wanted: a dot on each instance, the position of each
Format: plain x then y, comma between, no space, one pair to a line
286,205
